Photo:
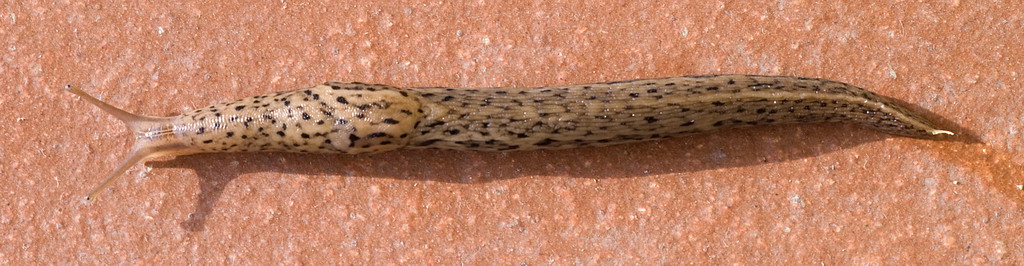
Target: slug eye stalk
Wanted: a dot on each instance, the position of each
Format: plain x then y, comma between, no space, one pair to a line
153,138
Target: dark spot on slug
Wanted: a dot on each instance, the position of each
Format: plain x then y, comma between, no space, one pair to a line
544,142
429,142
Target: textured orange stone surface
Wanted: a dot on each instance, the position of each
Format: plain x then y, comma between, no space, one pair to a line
794,194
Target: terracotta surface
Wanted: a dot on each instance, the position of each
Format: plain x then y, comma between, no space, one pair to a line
794,194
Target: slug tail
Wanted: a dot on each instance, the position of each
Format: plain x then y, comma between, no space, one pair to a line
154,137
938,132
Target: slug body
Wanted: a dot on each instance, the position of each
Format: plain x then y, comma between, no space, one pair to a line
358,118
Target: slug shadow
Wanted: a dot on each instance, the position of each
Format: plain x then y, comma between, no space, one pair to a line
725,149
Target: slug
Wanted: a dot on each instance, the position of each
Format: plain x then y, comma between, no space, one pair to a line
355,118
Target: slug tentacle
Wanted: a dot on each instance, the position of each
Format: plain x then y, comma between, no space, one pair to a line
358,118
153,138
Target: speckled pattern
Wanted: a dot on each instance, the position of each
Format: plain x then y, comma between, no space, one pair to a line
335,117
359,118
602,114
805,194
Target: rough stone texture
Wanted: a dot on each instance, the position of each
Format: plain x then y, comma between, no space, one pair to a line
795,194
